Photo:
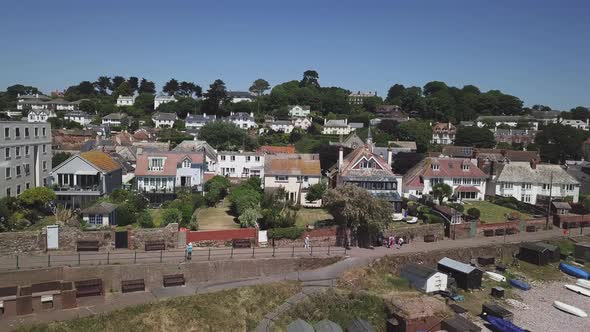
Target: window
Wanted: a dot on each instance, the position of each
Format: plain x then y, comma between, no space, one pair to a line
27,169
233,158
27,185
44,132
546,186
26,131
568,187
257,158
302,179
525,186
36,132
17,132
435,181
8,172
456,181
18,190
507,185
95,219
525,198
7,153
466,181
7,133
222,157
465,167
477,181
186,163
435,167
248,158
156,164
281,178
26,150
44,165
8,192
44,148
18,171
17,151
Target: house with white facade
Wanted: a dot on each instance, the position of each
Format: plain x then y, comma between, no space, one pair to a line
34,101
166,172
443,133
191,146
240,164
295,173
114,119
126,100
527,181
463,175
40,115
337,127
299,111
198,120
164,120
238,96
80,117
358,98
163,99
578,124
302,123
280,126
242,120
507,120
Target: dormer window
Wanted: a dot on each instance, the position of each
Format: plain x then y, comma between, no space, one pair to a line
156,164
435,167
465,167
186,163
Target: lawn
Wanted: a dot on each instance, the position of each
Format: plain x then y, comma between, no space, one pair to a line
156,216
238,309
307,216
492,213
216,218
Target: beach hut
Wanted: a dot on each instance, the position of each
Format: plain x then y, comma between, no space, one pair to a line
424,278
459,323
534,253
466,276
299,325
327,326
359,325
554,251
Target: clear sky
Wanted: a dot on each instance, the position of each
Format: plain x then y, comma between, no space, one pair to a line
537,50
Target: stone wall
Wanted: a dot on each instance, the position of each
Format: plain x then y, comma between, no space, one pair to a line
319,237
138,237
417,232
20,242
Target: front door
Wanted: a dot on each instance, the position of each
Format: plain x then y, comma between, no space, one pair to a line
121,240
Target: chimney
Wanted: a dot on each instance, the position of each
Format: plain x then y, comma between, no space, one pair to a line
251,114
205,115
534,163
389,156
340,157
231,113
324,121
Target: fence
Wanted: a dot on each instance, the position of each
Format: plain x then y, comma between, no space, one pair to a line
24,261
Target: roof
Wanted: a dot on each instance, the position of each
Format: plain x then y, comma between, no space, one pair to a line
279,123
115,116
561,205
196,145
327,326
303,107
543,173
165,116
447,168
359,325
403,144
393,112
173,159
545,114
164,97
239,94
505,118
417,270
456,265
101,160
350,168
292,164
351,141
200,118
533,247
78,113
356,125
336,123
444,126
100,208
271,149
515,132
460,323
466,189
299,325
417,307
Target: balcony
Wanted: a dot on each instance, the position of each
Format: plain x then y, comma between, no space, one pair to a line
77,190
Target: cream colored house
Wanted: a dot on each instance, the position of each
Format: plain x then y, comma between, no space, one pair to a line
293,172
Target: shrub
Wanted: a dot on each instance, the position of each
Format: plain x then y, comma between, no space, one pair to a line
194,224
249,217
243,198
125,215
145,220
457,206
292,233
473,213
170,216
185,208
38,196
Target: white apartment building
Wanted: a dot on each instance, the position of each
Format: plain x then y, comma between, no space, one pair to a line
295,173
125,100
526,181
299,111
240,164
163,99
337,127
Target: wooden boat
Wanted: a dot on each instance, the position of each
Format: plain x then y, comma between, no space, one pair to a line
583,283
496,276
503,325
579,290
519,284
574,271
570,309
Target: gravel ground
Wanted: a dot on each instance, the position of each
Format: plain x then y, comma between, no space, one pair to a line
542,316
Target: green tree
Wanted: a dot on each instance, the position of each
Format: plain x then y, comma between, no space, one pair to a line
216,98
355,208
473,214
171,87
226,136
394,94
116,81
102,84
315,192
249,217
170,216
475,136
133,84
418,131
38,196
125,215
559,143
441,191
146,86
59,158
124,89
145,220
310,78
216,189
259,86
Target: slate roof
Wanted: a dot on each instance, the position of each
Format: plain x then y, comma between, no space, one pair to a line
196,145
101,160
292,164
505,118
165,116
351,141
561,205
403,144
443,127
239,94
327,326
417,270
356,125
456,265
519,171
173,159
392,112
336,123
303,107
200,118
100,208
115,116
78,114
546,114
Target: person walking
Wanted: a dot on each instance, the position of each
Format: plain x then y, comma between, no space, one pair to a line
189,251
401,242
306,242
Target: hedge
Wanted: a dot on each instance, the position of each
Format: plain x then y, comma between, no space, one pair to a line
292,233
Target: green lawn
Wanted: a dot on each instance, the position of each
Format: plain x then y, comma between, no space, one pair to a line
492,213
216,218
156,216
307,216
238,309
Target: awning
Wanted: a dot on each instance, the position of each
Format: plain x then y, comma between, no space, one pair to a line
469,189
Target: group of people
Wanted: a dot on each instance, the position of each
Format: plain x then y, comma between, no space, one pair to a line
391,242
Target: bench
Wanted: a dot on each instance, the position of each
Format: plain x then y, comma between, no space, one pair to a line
155,245
488,232
429,238
531,228
91,287
136,285
85,245
173,280
46,288
241,243
499,231
511,231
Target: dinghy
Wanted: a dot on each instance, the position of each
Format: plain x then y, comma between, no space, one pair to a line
519,284
570,309
574,271
583,283
496,276
579,290
502,325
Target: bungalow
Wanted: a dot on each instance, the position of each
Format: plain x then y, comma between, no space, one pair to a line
163,99
295,173
164,120
299,111
125,100
100,214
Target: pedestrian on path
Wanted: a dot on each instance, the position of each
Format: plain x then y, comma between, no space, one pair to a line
306,242
189,251
391,241
400,241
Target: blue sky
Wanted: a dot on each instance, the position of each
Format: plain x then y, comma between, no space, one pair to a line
536,50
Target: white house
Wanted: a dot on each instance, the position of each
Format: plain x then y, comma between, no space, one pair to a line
507,120
238,96
40,115
443,133
424,278
280,126
198,120
34,101
299,111
337,127
240,164
165,172
164,120
125,100
113,119
242,120
578,124
303,123
82,118
293,172
162,99
359,97
526,181
463,175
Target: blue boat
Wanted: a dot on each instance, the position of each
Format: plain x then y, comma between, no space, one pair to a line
502,325
519,284
574,271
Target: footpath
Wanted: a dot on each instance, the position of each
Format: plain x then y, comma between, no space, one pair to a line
312,281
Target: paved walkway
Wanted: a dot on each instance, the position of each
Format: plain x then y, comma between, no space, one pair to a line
312,280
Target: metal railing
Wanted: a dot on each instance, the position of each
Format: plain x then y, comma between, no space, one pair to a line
124,256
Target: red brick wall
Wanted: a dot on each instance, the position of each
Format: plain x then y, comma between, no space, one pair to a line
222,235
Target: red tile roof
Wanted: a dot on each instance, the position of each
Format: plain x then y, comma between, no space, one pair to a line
276,149
170,164
466,189
447,168
101,160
